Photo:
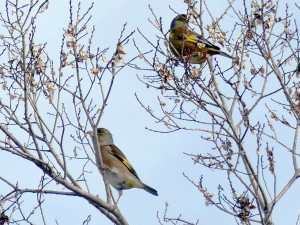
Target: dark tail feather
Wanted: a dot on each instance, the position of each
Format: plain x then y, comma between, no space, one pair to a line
213,51
225,54
150,190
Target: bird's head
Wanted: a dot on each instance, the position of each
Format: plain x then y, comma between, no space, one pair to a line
178,21
104,136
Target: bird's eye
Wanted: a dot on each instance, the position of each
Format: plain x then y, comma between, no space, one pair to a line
181,37
99,131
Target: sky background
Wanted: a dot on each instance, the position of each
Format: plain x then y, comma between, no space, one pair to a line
157,158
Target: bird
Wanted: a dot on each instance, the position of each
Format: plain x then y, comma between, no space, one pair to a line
188,45
118,171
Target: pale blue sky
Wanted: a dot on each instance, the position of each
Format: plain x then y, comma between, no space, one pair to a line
157,158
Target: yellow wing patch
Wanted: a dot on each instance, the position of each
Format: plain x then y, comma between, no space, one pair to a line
120,156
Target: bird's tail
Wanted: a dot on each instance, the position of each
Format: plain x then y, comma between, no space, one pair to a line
225,54
150,190
217,51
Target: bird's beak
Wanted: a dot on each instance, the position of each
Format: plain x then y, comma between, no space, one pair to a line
91,133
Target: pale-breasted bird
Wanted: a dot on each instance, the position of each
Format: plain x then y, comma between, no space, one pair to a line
118,171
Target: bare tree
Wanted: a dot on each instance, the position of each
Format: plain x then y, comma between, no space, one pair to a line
247,109
48,102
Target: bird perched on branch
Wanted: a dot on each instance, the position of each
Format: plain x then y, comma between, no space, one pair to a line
118,171
189,46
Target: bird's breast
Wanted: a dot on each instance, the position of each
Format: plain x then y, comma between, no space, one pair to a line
121,181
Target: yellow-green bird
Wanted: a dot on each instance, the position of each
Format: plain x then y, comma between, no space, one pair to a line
118,171
188,45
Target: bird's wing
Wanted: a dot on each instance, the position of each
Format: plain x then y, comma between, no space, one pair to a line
116,152
196,38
